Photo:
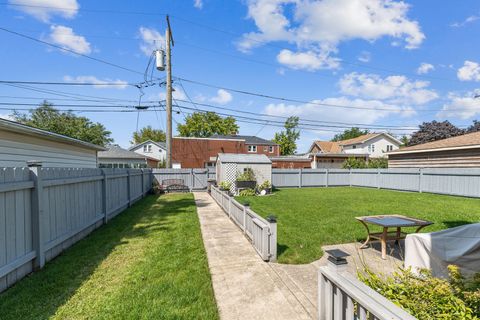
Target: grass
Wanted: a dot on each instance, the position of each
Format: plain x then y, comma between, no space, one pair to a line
147,263
309,218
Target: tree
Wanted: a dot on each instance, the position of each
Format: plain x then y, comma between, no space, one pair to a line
287,138
148,133
48,118
206,124
474,127
349,134
373,163
432,131
404,139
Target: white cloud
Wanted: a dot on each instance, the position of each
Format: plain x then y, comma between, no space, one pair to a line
7,117
364,57
321,25
178,94
101,84
394,89
469,72
463,107
198,4
66,37
369,110
309,60
45,9
152,39
468,20
222,97
425,68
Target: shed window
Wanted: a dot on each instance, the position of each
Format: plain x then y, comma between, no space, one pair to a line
252,148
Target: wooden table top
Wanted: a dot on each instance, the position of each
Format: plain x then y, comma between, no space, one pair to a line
394,220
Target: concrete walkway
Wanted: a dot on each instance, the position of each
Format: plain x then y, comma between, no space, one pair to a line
246,287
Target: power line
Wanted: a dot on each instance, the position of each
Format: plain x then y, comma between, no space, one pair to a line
68,83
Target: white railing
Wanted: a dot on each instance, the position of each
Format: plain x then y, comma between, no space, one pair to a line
261,232
343,297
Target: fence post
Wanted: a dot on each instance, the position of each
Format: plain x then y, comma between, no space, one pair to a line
128,188
192,179
326,178
229,206
143,182
245,207
272,251
104,196
378,178
350,176
38,218
300,177
420,176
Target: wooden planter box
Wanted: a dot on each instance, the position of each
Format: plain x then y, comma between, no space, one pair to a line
245,184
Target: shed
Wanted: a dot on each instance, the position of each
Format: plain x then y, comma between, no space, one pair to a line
117,157
230,165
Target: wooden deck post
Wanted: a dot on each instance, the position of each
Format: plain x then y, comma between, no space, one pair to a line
38,218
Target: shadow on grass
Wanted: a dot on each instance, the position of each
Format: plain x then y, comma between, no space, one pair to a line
281,248
455,223
40,294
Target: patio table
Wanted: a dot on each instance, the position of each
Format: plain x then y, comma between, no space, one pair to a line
390,221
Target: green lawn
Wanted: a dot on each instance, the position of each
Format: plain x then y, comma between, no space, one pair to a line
309,218
147,263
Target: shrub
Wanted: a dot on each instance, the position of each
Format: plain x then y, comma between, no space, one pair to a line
247,193
265,185
373,163
247,175
427,297
225,185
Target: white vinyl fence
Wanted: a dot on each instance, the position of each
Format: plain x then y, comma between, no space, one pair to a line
343,297
43,211
262,233
194,179
458,181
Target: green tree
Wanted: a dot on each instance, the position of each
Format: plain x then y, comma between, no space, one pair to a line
373,163
404,139
207,124
48,118
349,134
148,133
287,138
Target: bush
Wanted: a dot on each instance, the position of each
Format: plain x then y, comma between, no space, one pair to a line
355,163
225,185
265,185
247,175
427,297
247,193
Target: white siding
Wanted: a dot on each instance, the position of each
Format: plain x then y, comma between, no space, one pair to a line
156,153
16,149
380,142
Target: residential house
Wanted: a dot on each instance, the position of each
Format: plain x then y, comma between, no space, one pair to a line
456,152
302,161
117,157
20,143
330,155
190,152
151,150
376,145
255,144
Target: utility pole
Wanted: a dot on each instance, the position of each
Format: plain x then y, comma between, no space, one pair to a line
169,39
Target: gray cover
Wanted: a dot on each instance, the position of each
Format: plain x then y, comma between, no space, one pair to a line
435,251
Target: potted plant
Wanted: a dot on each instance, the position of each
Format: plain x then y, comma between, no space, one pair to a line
246,180
265,186
225,185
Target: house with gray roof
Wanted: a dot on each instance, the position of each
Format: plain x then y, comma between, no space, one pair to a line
151,150
117,157
20,143
254,144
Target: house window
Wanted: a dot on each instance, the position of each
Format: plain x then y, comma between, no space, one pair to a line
265,149
354,147
389,148
270,149
147,148
373,147
252,148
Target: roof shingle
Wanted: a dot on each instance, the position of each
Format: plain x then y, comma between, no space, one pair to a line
469,139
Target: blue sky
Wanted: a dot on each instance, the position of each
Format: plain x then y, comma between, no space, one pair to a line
377,63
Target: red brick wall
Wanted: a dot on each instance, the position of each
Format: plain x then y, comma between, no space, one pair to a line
264,149
194,153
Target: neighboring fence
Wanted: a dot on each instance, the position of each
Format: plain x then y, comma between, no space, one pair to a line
43,211
458,181
261,232
341,296
194,179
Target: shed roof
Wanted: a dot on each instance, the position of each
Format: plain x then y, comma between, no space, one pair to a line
466,141
16,127
248,139
158,144
243,158
116,152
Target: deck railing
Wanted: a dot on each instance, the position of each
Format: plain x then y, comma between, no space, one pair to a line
343,297
261,232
